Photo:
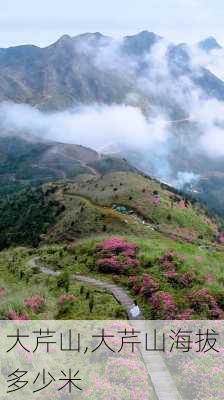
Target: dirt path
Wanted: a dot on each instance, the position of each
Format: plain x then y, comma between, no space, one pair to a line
119,294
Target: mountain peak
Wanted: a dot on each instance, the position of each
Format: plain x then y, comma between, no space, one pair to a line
141,42
63,40
209,44
145,36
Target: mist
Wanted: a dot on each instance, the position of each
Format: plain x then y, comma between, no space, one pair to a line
154,131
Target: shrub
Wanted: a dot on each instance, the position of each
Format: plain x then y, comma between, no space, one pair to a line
186,314
203,302
116,279
170,261
13,315
65,302
144,285
120,312
117,264
91,304
66,298
116,244
187,279
163,305
34,303
64,281
116,255
82,290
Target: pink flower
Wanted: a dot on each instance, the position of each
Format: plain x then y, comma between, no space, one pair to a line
12,315
116,243
144,285
170,274
209,278
66,298
186,279
148,286
163,305
186,314
34,303
203,301
199,259
116,255
156,200
220,238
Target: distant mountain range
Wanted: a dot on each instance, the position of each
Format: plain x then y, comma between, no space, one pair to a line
92,68
70,72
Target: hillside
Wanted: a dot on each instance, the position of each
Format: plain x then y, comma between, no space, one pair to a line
121,227
86,205
26,160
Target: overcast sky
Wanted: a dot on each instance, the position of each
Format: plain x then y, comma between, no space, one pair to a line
43,21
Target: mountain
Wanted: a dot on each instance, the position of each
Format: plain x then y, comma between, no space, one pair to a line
86,205
140,44
209,44
27,160
121,228
92,68
74,70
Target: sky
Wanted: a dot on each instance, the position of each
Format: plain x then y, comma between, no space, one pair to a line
42,22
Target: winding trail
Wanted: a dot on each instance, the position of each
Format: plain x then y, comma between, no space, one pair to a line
158,372
119,294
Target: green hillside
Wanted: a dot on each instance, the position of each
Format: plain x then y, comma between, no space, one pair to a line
120,227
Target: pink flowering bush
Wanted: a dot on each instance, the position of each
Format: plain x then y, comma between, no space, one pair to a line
186,314
220,238
13,315
144,285
66,298
199,259
116,244
35,303
116,264
181,280
156,200
118,371
116,255
187,279
208,278
203,302
66,303
163,305
170,261
122,375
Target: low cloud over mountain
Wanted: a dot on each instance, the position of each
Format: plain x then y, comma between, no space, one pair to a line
157,103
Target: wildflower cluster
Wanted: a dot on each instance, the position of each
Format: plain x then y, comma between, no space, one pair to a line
163,305
170,261
66,298
144,285
123,376
203,302
13,315
34,303
116,255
